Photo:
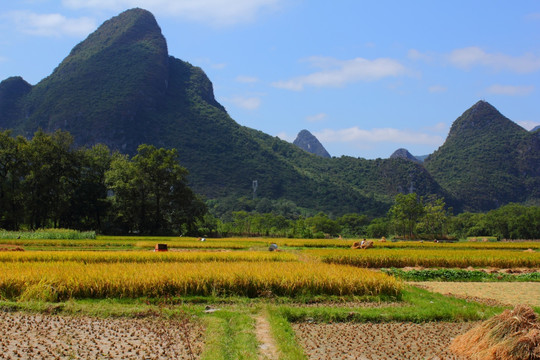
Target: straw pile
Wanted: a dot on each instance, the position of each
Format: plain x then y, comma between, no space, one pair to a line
512,335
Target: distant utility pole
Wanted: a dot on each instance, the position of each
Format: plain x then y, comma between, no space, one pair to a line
255,185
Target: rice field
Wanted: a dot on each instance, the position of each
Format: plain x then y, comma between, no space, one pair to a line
145,256
431,258
224,275
54,281
230,267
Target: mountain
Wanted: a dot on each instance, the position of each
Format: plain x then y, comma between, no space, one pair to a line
120,87
404,154
487,160
536,128
308,142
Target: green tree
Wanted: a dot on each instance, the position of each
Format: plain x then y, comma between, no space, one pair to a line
151,193
321,225
378,227
12,171
89,203
51,177
405,214
353,224
435,219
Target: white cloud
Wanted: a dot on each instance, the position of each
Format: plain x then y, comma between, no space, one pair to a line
389,135
437,89
510,90
214,12
533,16
529,125
336,73
248,103
51,24
317,117
246,79
439,127
475,56
414,54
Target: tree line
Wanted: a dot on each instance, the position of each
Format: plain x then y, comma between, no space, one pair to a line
410,217
47,182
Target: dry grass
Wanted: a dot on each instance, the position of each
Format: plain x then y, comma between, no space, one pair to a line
512,335
509,293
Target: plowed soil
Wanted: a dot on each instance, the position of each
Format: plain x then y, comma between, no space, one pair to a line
29,336
379,341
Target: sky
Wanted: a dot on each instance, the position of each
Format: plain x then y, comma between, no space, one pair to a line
365,77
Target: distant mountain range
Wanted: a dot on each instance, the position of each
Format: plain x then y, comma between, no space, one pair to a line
120,87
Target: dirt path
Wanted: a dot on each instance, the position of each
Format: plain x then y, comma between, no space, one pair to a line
508,293
267,347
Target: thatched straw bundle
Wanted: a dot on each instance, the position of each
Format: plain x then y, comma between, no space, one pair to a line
512,335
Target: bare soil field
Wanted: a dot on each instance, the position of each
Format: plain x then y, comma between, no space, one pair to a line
507,293
383,341
37,336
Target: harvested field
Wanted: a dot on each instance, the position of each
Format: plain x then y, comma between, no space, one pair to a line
379,341
508,293
30,336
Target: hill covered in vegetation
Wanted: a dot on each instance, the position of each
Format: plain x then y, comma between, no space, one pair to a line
120,87
488,160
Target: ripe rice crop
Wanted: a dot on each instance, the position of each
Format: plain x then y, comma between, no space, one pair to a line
460,245
143,256
208,244
447,258
53,281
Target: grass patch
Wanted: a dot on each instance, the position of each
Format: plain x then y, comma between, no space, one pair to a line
421,306
48,234
284,337
106,308
230,335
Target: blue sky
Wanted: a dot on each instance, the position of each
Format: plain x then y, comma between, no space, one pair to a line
365,77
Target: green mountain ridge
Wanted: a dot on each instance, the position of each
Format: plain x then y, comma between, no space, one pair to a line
488,160
120,87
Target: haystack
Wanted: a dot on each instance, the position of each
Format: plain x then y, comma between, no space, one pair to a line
358,245
512,335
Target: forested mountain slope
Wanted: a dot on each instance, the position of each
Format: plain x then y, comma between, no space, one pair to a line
488,160
120,87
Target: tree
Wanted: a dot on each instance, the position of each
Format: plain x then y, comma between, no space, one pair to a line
405,213
51,177
320,225
435,218
378,227
12,165
151,193
89,203
353,224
